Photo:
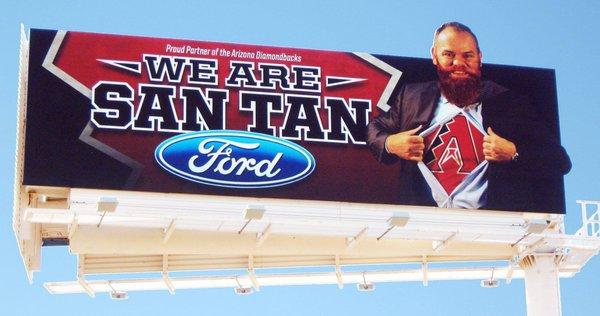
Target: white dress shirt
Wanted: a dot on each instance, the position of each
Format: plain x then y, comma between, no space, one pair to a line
471,192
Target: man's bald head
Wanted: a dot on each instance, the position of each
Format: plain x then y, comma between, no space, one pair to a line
457,26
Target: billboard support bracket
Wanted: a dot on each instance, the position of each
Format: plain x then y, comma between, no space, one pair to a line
252,274
165,274
510,271
439,245
425,269
352,241
338,272
262,237
168,231
73,227
80,277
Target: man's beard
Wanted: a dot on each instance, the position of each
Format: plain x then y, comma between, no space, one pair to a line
459,91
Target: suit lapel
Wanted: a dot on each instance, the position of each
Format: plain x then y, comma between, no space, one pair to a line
489,104
487,110
428,104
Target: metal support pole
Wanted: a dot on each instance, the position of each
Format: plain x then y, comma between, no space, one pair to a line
542,287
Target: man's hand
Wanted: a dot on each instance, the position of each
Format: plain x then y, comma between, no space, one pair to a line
406,145
498,149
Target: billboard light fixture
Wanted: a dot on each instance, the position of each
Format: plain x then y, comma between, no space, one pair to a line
365,286
47,197
491,282
398,220
243,290
119,295
533,226
252,213
42,198
488,284
106,204
537,226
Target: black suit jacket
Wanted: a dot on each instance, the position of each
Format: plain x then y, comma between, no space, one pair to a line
532,183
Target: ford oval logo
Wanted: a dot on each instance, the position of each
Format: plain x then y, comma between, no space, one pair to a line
235,159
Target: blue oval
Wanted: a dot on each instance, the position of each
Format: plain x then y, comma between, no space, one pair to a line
234,159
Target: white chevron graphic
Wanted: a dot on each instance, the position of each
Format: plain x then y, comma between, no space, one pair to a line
333,81
123,64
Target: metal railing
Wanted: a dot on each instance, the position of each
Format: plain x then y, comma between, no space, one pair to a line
590,217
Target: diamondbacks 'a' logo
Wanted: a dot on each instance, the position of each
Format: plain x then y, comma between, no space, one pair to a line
453,150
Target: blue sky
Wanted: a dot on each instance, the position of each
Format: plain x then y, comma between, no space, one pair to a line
548,34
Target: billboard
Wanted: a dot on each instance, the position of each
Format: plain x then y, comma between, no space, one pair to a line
185,116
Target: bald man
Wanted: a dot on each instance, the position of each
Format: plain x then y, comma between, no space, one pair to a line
463,142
